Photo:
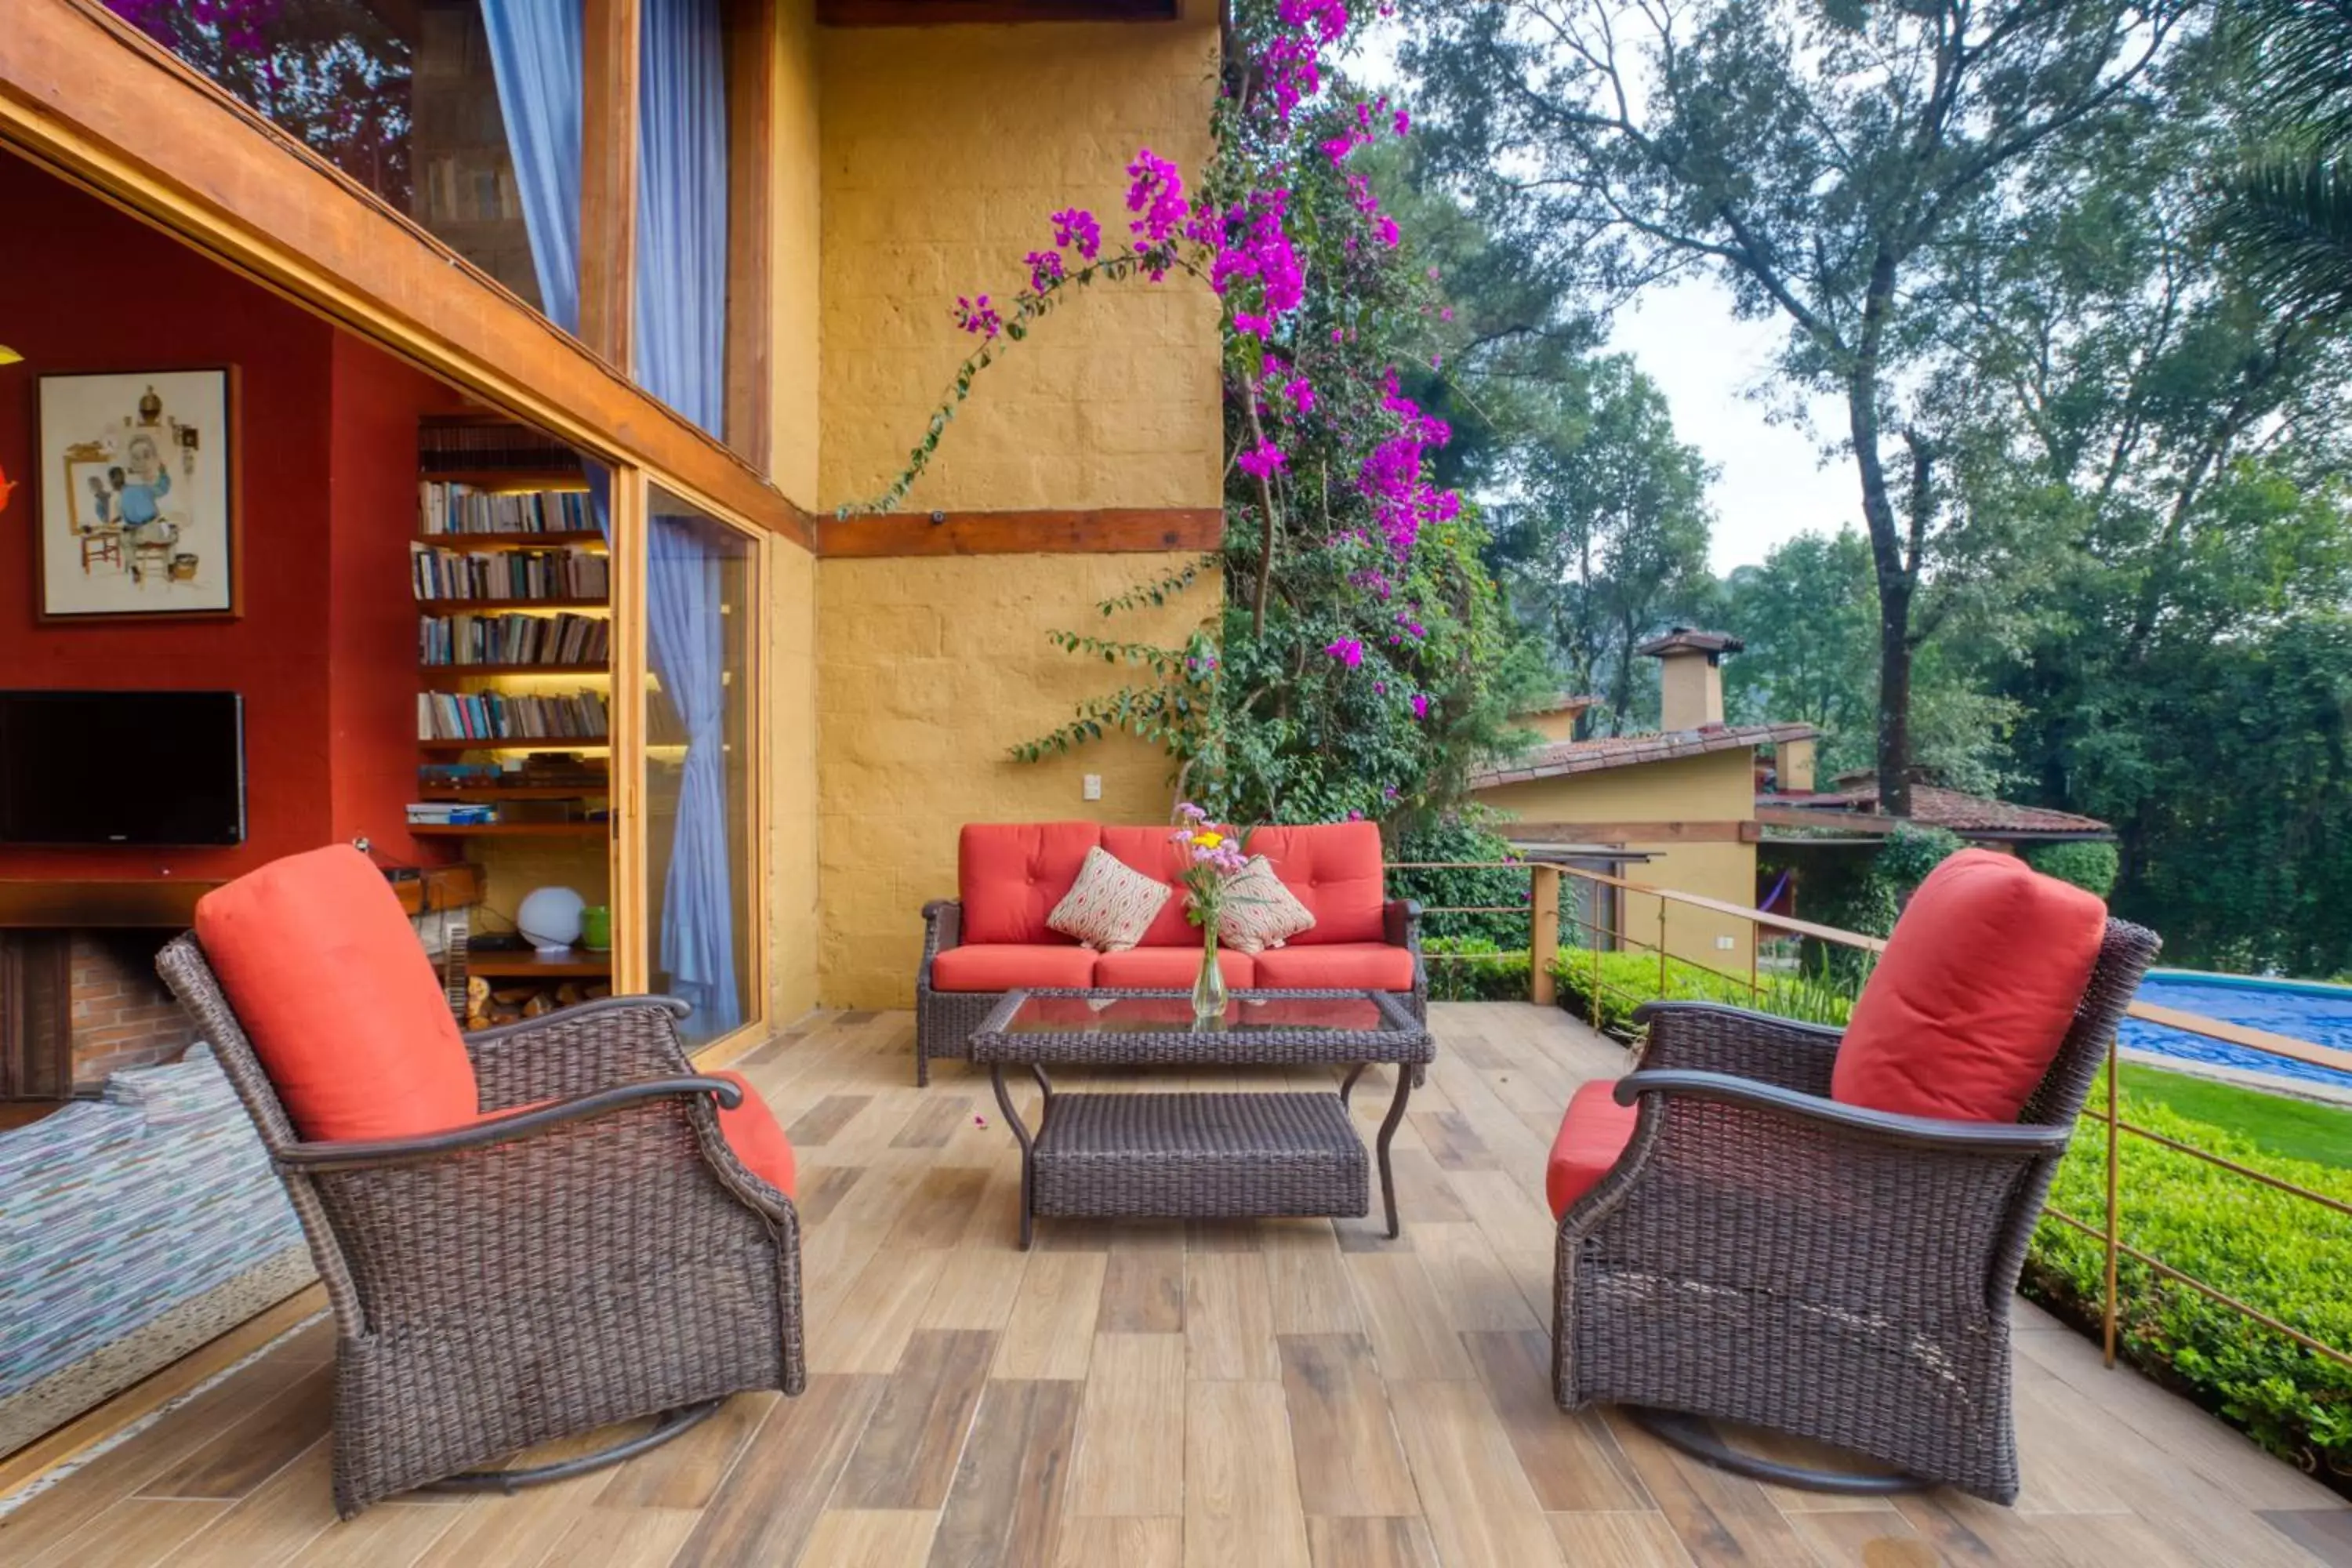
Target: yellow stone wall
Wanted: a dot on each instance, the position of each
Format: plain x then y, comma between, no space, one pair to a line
945,151
927,670
1718,787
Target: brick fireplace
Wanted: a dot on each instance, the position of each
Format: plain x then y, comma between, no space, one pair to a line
76,1005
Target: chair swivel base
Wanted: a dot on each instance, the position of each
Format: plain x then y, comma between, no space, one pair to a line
1696,1436
669,1424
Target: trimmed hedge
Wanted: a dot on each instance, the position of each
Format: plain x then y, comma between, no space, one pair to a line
1478,971
2286,1256
2087,863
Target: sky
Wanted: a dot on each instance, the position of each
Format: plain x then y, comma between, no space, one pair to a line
1770,484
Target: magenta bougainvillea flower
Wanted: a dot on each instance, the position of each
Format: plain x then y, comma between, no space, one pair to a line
1045,269
1348,651
1420,704
1261,461
1075,229
978,316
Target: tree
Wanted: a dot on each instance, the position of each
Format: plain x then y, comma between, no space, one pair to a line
1822,160
2288,210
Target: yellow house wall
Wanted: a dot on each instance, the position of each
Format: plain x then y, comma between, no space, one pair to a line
945,151
927,670
1714,788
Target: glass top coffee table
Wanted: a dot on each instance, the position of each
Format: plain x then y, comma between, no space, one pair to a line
1172,1156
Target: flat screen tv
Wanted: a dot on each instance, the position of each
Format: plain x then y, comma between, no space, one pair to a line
121,767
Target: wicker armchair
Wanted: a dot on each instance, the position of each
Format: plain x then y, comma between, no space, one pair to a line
944,1020
1765,1255
600,1257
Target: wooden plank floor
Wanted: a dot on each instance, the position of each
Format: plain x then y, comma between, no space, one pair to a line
1173,1397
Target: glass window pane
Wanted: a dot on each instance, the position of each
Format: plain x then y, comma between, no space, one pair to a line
699,770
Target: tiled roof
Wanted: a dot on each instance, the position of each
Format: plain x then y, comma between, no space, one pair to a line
1558,702
1934,806
1691,638
1564,757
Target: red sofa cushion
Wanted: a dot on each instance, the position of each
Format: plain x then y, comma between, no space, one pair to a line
1335,966
751,1129
1151,852
1592,1135
1334,869
1171,969
1004,965
1974,995
338,999
1009,875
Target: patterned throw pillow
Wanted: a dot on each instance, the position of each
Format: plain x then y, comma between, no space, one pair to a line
1259,911
1111,904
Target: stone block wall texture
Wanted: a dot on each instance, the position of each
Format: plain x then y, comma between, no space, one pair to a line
945,151
927,670
1718,787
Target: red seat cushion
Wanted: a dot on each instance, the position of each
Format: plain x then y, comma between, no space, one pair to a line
1592,1135
1004,965
1334,869
1171,969
1335,966
1974,995
1153,852
751,1132
1010,876
335,992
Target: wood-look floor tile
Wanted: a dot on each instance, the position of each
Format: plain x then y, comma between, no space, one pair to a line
1452,1142
1229,1318
1006,1507
247,1454
1143,1292
1571,1460
2325,1533
942,1116
1307,1283
1719,1518
1368,1542
1425,1194
273,1521
1131,1453
1476,1292
1120,1544
1341,1434
607,1538
816,1126
1406,1321
866,1328
683,1472
915,1437
1051,1329
1864,1538
822,1188
1618,1540
868,1539
768,1504
1241,1492
940,1212
977,1289
1480,1506
132,1533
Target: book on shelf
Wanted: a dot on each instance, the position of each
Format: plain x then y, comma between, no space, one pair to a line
445,508
449,813
436,572
504,716
513,636
585,774
442,446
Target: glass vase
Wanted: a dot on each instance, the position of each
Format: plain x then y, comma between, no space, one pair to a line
1209,989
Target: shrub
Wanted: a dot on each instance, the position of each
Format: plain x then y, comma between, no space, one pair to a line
1626,980
2088,864
1452,838
1911,852
1478,971
2281,1254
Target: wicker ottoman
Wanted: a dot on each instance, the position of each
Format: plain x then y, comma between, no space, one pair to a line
1191,1155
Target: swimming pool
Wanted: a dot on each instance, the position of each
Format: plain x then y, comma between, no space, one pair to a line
2304,1009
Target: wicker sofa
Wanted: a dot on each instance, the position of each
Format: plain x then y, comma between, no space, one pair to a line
992,938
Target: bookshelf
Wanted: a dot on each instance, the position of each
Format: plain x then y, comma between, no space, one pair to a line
510,575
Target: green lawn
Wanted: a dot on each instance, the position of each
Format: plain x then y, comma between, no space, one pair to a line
2296,1129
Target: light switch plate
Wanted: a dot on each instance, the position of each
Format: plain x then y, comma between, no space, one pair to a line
1090,786
1724,943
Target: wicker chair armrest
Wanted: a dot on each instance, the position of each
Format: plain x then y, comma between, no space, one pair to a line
1401,919
942,927
579,1050
1883,1126
365,1154
1709,1036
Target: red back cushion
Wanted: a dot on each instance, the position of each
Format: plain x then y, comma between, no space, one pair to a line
1010,876
1153,852
338,998
1974,995
1334,869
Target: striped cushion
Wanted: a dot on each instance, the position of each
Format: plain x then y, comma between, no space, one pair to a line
1259,912
1110,906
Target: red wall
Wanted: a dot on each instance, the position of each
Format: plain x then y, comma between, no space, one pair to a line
324,651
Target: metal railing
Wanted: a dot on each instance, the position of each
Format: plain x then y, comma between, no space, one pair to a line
1609,933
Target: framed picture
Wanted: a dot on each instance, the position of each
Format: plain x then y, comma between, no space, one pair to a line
136,514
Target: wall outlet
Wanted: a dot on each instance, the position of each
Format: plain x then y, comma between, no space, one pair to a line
1090,786
1724,943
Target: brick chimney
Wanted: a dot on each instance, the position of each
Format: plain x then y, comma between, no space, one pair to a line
1690,684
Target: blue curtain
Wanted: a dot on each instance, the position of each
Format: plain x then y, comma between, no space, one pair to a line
681,331
536,51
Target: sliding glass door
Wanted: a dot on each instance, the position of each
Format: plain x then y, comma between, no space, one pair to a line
703,888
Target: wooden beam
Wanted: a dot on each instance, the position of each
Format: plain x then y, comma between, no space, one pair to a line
608,176
1842,821
752,53
93,99
1735,831
947,13
1107,531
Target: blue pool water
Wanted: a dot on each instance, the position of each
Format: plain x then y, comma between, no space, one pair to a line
2306,1011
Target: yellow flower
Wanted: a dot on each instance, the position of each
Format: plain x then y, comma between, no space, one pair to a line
1208,840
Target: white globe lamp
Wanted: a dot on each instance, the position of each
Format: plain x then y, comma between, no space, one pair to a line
549,917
